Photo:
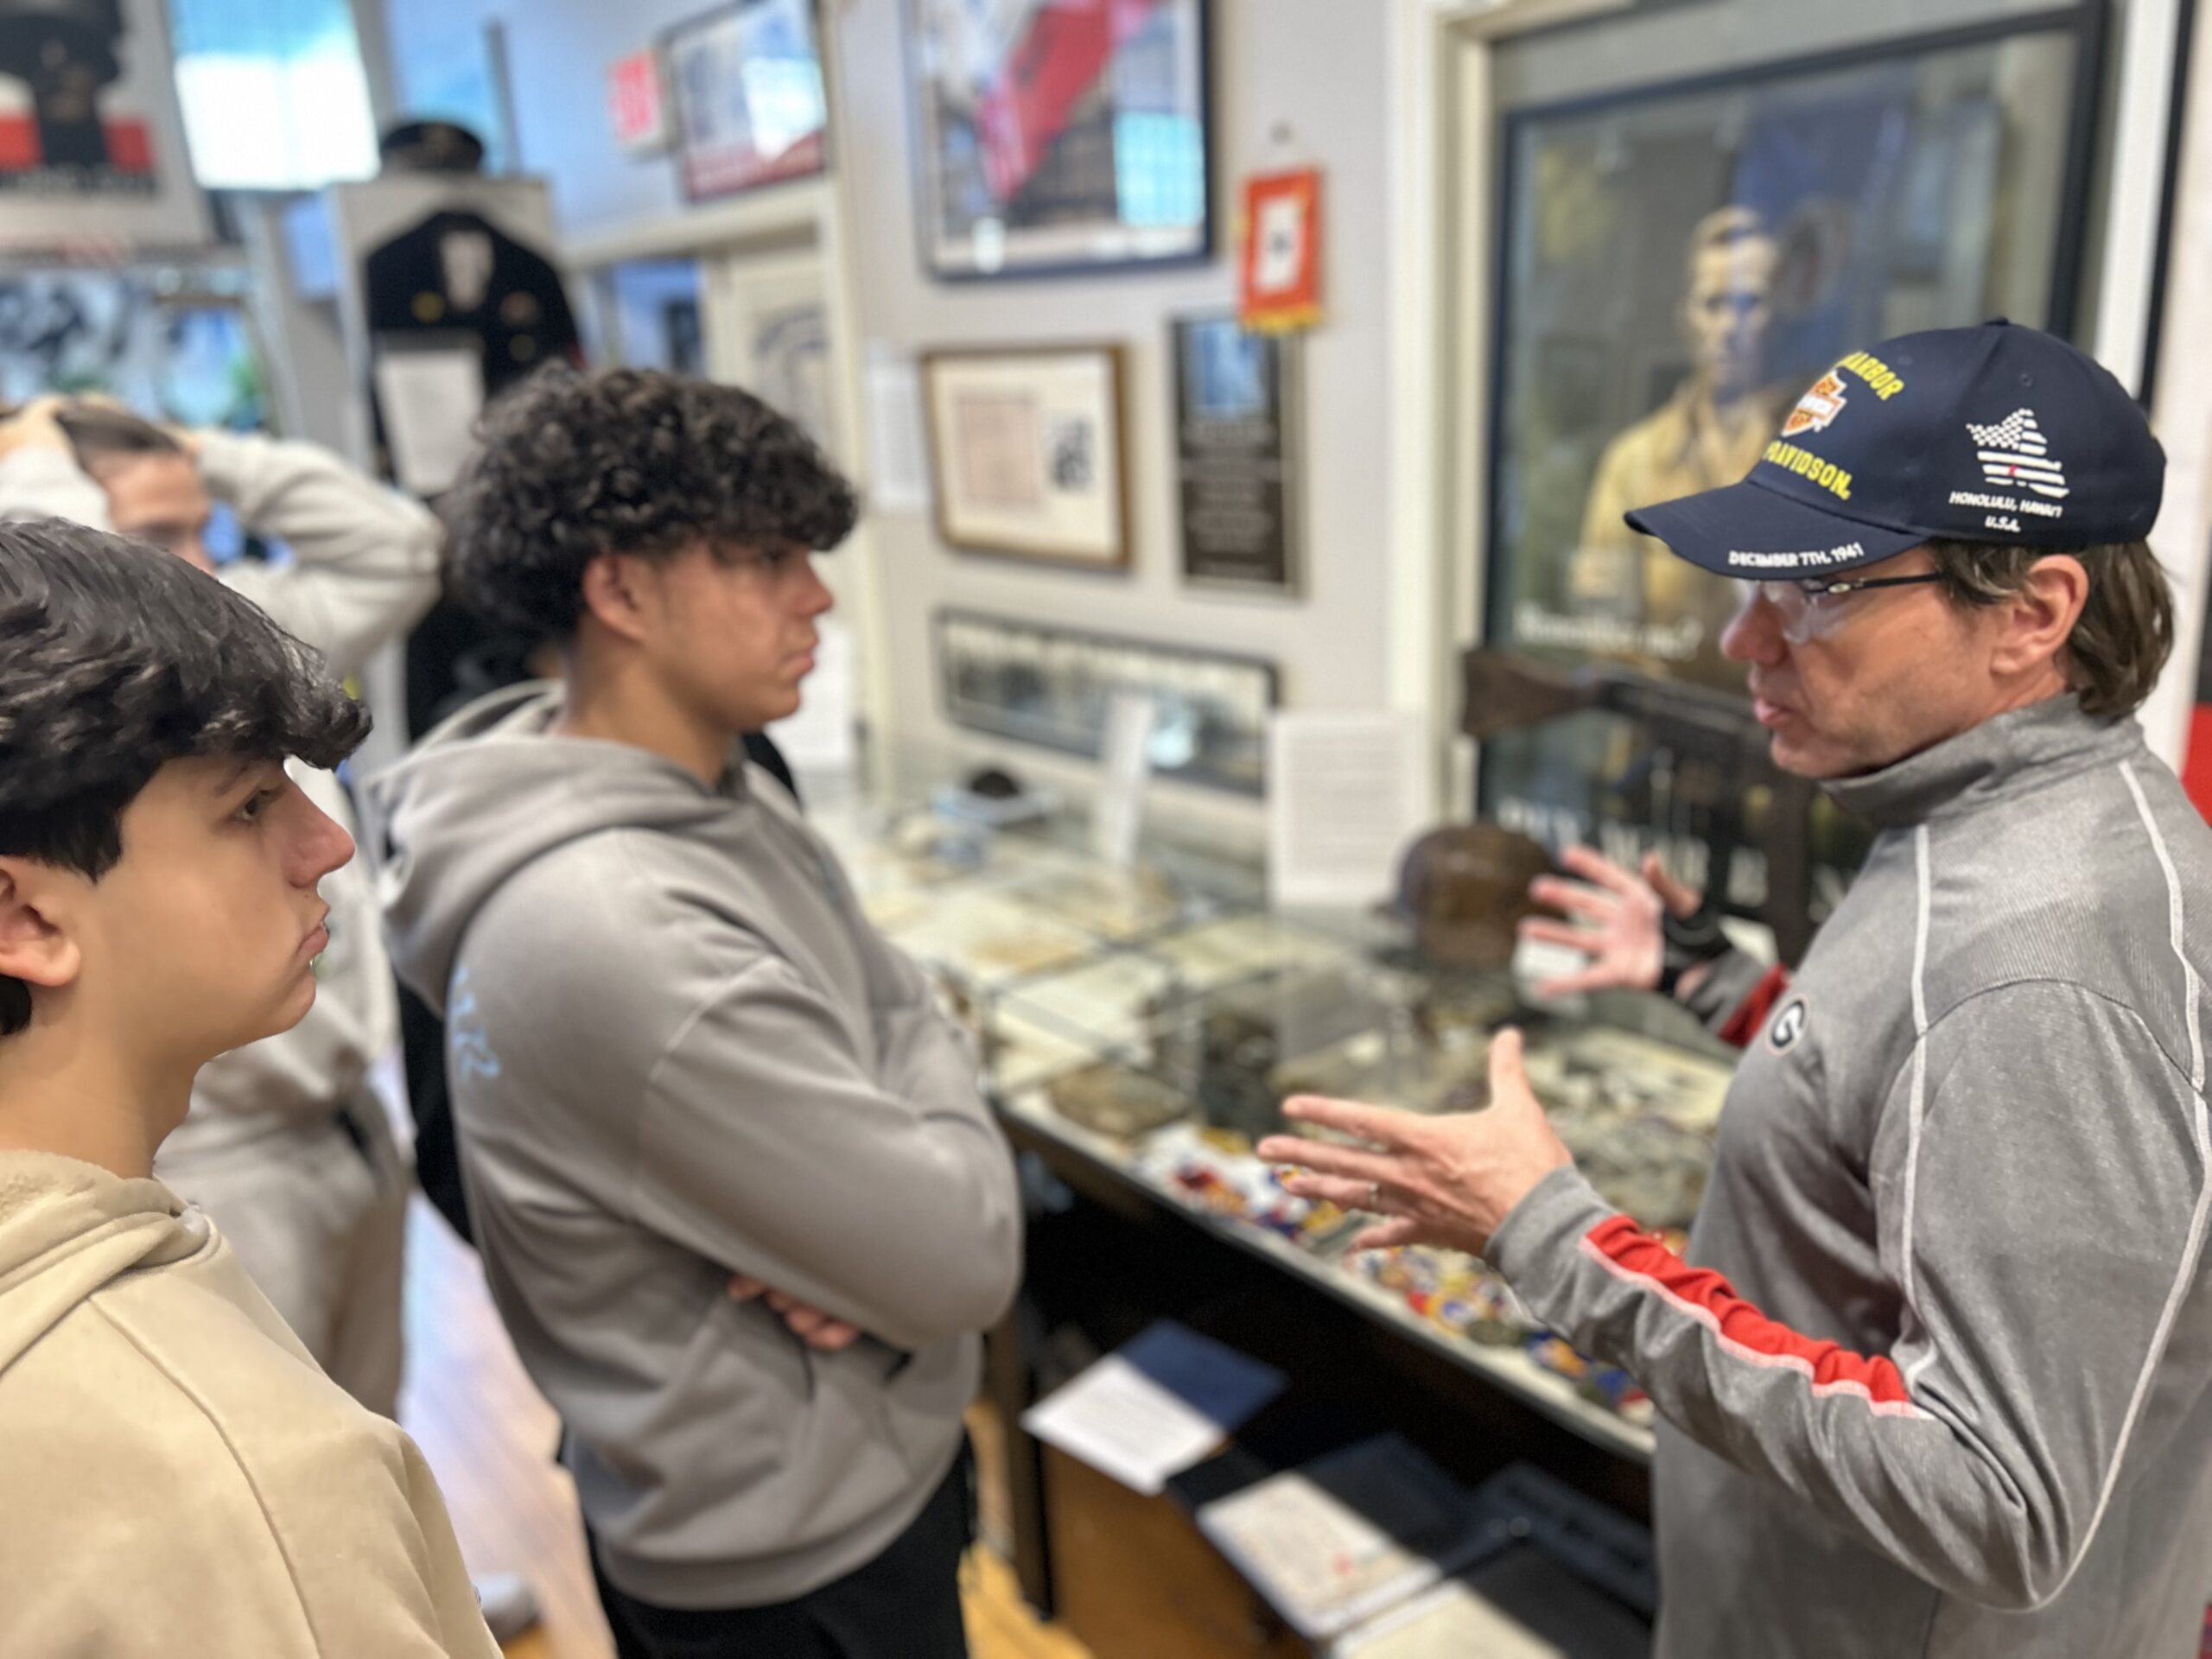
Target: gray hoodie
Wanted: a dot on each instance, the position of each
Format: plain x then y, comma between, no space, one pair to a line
677,1051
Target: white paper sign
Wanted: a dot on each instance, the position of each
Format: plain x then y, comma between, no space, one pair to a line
898,450
1125,764
430,400
1346,795
1161,1404
821,737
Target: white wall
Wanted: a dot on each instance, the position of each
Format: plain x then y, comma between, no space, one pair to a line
557,54
1319,66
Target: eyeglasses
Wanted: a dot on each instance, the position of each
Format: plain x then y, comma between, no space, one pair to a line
1804,604
1814,588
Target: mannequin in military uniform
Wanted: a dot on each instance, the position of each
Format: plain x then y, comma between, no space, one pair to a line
1708,434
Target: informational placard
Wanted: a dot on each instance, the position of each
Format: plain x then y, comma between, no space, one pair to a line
1160,1404
1237,424
431,399
822,736
1345,797
1117,819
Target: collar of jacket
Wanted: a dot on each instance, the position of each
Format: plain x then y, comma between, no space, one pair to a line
2011,754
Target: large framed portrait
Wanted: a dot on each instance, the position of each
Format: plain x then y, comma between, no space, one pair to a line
1028,453
746,80
1059,135
1676,263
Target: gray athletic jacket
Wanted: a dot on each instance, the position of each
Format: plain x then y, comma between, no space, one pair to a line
677,1051
1936,1382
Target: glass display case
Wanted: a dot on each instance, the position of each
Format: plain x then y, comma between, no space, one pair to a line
1151,1021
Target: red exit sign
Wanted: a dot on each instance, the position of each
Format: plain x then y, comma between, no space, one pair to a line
638,101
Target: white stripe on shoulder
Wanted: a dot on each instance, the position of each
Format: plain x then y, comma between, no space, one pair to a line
1917,1107
2193,1248
2192,991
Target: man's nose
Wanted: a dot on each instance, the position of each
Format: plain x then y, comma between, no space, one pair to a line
1754,634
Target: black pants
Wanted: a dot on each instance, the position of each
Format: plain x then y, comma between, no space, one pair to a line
903,1604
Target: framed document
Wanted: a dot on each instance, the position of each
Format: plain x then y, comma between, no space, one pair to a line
1028,453
1059,135
1236,429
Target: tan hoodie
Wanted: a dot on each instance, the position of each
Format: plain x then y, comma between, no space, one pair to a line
176,1478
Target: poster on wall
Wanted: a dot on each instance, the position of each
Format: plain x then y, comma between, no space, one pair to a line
1677,265
1279,276
92,147
1026,451
1236,425
189,357
1057,135
749,106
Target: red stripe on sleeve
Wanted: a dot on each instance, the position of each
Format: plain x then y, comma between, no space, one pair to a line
1751,1013
1745,1332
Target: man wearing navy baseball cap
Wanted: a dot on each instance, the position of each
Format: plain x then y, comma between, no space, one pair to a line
1934,1376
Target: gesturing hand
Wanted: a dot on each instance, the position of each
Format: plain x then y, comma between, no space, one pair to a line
1448,1180
811,1325
1619,928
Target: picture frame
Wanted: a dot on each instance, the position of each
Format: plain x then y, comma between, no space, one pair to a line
1046,145
1028,453
1239,422
749,109
1822,202
1054,688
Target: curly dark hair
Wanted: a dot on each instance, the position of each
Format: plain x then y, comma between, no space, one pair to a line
631,460
117,658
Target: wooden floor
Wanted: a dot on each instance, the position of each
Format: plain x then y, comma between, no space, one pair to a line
489,1436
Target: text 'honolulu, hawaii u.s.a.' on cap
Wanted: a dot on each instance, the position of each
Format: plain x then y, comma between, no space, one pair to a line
1996,434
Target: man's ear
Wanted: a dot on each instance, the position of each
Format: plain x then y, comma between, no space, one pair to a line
615,594
34,946
2040,617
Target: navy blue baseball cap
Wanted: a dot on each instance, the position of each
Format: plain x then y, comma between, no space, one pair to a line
1997,434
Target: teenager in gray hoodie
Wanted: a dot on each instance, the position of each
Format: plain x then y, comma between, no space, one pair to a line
681,1060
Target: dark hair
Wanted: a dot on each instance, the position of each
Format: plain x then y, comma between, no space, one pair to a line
95,431
117,658
2125,633
632,461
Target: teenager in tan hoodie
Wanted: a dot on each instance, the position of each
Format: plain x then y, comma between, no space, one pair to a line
177,1478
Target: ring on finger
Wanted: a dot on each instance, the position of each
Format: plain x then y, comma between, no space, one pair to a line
1375,1197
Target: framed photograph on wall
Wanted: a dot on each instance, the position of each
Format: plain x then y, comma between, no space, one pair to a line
1676,263
746,81
1028,453
1236,427
1059,135
1054,688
